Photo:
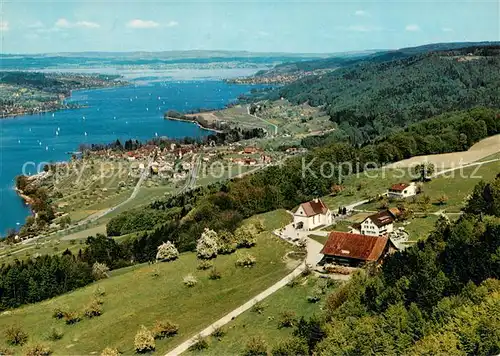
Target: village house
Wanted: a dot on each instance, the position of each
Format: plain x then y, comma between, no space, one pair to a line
378,224
250,150
353,250
311,215
402,190
266,159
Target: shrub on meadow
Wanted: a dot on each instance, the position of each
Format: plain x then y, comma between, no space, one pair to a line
99,271
258,307
219,332
293,346
163,329
244,237
109,351
38,350
58,313
204,265
15,335
200,344
207,246
190,280
6,352
94,309
246,260
256,346
99,292
72,317
55,334
214,274
167,252
144,340
227,243
287,319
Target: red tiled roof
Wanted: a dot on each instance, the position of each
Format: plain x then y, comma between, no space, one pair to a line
250,150
312,207
360,247
399,187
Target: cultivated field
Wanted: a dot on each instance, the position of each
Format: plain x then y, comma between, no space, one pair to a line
484,148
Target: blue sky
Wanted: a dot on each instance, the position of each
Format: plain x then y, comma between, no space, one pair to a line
42,26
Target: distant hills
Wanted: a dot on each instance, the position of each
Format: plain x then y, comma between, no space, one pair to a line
350,58
383,92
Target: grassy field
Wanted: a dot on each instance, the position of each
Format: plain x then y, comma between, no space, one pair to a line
295,119
265,324
364,186
456,186
238,116
135,297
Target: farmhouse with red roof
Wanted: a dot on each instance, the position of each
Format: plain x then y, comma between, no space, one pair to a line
353,250
402,190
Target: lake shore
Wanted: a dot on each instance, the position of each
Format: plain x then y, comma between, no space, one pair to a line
194,122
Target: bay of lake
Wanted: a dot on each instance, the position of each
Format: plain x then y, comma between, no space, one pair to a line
132,112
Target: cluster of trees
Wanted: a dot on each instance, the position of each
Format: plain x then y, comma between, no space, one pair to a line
370,98
39,201
437,297
44,277
140,220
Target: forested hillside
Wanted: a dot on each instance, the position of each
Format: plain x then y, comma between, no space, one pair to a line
439,297
368,100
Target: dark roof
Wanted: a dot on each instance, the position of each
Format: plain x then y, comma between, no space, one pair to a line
381,218
399,187
314,207
360,247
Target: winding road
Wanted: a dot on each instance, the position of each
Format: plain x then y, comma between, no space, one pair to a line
261,119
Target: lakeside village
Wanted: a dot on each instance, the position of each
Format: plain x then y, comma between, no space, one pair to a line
101,176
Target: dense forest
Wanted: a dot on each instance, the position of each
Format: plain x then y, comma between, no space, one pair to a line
371,98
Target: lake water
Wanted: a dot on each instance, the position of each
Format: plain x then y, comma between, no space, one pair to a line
119,113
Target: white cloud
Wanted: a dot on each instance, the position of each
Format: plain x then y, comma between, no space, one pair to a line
63,23
361,13
87,24
263,33
412,28
447,29
172,24
4,26
138,23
